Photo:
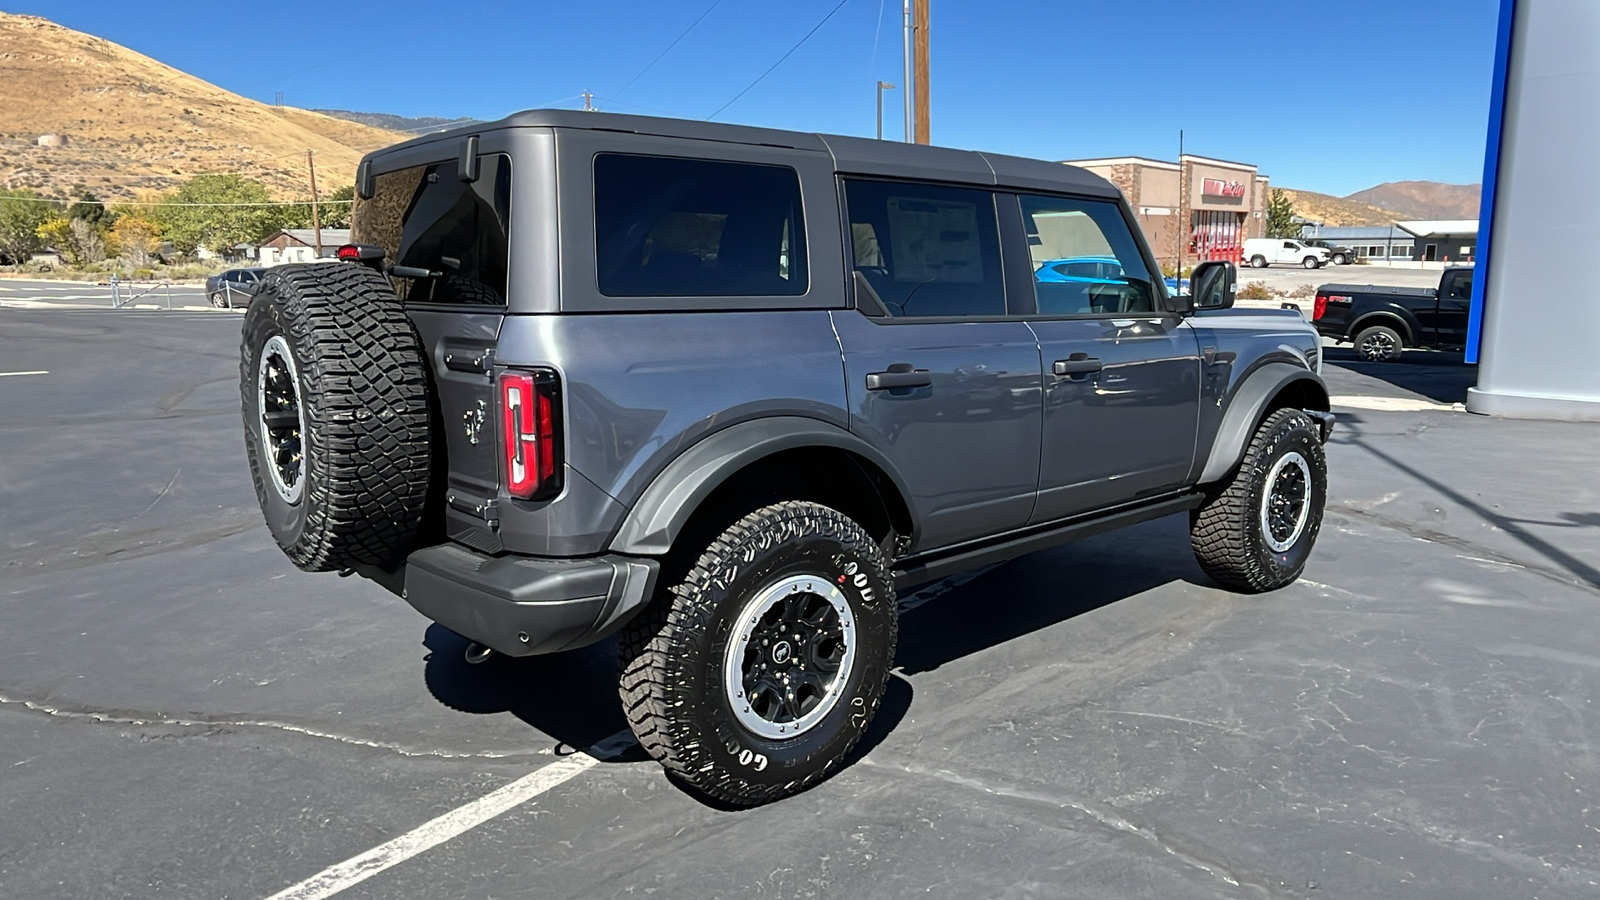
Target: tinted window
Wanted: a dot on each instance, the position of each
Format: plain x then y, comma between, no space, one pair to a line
1085,258
428,219
669,227
925,250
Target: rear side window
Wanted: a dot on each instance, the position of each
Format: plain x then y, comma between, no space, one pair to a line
669,227
454,233
927,250
1085,259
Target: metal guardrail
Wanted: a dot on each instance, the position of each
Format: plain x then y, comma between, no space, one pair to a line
118,301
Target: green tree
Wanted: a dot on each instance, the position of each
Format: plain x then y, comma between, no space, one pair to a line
1280,216
22,212
217,212
91,210
336,207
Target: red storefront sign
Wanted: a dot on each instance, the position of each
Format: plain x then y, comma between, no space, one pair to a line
1216,187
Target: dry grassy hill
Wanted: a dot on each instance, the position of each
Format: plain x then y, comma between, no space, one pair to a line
135,125
1330,210
1425,199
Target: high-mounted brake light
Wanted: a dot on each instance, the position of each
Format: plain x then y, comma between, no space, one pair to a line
350,253
528,415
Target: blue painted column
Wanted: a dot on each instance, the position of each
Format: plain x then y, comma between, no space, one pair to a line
1535,320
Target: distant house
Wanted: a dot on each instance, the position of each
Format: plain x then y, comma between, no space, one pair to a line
292,245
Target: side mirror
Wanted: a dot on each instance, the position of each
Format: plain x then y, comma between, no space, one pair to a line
1212,285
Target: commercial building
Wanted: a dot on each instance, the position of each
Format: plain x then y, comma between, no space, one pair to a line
1374,242
1204,208
1448,240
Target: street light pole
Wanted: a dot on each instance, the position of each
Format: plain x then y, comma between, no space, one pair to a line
882,86
905,55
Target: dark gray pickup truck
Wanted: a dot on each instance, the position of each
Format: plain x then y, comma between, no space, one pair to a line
727,390
1383,321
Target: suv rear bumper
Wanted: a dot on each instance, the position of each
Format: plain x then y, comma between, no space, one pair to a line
522,605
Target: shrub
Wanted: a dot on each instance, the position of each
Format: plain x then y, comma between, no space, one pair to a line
1304,290
1255,290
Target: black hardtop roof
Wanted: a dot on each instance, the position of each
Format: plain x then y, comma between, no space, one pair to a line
864,156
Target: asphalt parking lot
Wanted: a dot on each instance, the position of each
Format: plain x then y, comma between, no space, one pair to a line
184,714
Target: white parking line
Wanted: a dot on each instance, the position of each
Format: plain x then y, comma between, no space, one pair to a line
458,821
34,372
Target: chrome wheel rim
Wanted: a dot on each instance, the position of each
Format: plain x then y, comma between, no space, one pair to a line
1377,347
1286,503
283,419
789,656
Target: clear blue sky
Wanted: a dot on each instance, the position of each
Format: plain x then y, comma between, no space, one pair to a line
1331,97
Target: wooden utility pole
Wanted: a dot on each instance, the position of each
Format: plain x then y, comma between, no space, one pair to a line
316,219
920,14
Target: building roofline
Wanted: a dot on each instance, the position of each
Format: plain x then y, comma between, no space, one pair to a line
1213,161
1121,160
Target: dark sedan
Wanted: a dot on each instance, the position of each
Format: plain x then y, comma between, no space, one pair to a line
233,287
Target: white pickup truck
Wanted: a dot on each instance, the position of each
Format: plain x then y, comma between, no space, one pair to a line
1262,252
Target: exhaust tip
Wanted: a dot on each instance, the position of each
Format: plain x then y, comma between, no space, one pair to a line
477,653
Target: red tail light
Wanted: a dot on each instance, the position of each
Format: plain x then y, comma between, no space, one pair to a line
529,415
1322,307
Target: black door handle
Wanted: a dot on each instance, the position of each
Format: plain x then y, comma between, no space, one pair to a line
900,375
1078,364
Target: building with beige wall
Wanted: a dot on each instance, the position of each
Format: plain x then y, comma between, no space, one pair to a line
1222,203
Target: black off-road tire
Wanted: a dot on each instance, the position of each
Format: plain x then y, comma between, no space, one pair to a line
364,396
672,656
1380,343
1227,533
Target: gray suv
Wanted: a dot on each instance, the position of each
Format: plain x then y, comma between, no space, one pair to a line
726,390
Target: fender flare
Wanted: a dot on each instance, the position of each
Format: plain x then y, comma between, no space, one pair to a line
1408,328
1245,411
673,495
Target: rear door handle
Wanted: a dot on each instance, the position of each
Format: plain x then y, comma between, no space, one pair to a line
1078,364
900,375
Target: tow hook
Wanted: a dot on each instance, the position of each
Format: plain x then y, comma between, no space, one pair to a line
477,653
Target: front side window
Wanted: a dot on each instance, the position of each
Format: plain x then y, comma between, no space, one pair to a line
925,250
669,227
1085,259
449,236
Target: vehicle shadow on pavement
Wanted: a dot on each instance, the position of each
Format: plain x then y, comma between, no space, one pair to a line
1571,566
571,696
1046,588
1439,375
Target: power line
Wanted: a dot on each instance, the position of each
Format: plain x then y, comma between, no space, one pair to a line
779,62
669,47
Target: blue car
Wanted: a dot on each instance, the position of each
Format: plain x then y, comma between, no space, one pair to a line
1080,270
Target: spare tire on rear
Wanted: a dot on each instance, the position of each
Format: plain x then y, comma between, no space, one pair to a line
334,390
